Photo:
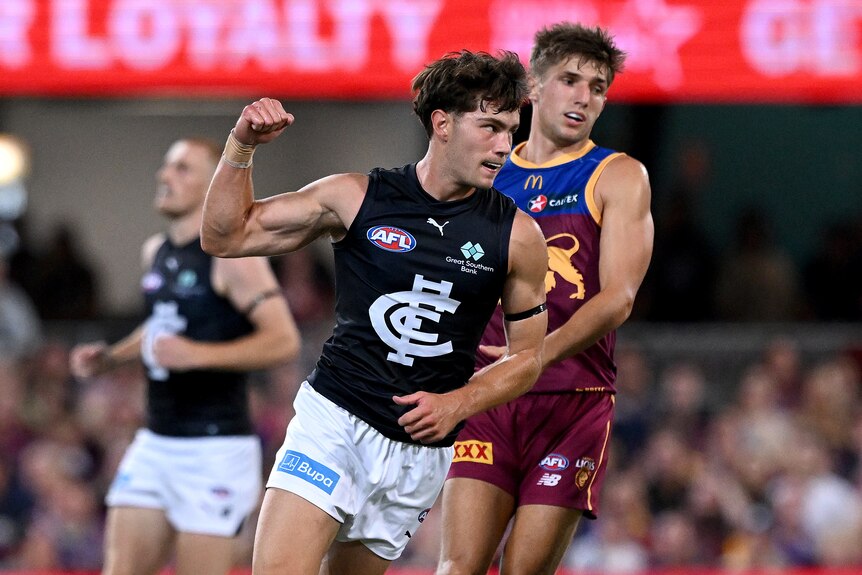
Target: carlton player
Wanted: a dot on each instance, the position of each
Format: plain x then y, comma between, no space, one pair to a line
423,253
541,459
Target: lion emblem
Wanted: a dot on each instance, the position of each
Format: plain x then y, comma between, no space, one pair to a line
560,264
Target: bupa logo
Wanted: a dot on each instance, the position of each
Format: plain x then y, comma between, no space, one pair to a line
538,203
554,462
391,239
307,469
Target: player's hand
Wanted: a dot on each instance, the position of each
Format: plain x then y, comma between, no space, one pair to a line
433,416
261,122
87,360
175,352
494,352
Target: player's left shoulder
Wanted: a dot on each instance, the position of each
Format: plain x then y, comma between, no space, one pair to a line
624,167
527,241
623,177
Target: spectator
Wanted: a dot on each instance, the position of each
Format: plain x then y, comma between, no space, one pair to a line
682,402
833,276
67,287
20,328
757,280
679,284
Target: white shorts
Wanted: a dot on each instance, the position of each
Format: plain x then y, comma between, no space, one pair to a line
206,485
379,489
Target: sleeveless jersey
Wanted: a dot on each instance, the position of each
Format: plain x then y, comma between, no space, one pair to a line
180,299
416,282
559,196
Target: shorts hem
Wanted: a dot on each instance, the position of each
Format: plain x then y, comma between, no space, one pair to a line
589,514
510,489
325,507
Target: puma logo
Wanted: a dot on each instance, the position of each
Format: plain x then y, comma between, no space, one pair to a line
560,263
434,223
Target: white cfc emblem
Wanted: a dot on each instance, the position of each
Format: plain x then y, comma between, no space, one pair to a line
397,319
164,321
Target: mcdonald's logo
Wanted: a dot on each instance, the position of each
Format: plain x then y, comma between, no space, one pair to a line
533,181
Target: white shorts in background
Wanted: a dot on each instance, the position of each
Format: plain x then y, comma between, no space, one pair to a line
379,489
206,485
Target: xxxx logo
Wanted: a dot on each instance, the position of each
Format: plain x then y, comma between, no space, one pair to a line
475,451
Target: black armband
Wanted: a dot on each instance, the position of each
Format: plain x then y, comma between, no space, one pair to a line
259,299
525,314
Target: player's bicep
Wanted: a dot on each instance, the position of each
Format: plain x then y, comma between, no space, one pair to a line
289,221
243,280
627,226
524,294
252,288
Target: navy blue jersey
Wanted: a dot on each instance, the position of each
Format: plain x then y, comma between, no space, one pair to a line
180,299
416,282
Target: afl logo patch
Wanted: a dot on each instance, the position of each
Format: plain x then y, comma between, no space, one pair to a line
554,462
538,203
151,282
391,239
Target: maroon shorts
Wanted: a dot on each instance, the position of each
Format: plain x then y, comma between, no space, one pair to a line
545,449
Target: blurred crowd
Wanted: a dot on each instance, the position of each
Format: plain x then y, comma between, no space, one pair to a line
764,471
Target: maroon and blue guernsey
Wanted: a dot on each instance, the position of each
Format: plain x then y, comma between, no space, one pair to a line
559,195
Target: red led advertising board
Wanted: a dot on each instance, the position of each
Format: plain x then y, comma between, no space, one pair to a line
793,51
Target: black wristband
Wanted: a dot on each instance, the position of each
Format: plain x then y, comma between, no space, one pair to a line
525,314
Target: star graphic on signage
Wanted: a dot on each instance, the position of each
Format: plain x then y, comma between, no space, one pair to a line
652,32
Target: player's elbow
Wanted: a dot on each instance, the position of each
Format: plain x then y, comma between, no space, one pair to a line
218,244
290,346
624,305
285,342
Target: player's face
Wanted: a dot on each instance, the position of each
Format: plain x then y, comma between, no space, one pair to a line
480,143
183,179
568,99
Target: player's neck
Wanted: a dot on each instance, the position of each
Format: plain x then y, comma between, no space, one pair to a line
436,183
541,150
186,228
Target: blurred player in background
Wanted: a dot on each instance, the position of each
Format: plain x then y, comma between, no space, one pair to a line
423,253
540,460
193,475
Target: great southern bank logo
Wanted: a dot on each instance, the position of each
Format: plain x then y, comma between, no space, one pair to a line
471,250
391,239
304,467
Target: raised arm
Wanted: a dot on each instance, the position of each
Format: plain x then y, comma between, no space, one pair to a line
513,374
235,224
251,286
623,195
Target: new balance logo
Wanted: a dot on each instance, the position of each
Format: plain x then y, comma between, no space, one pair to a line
549,479
434,223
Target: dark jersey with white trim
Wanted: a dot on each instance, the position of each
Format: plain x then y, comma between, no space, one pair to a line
559,195
416,282
181,300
